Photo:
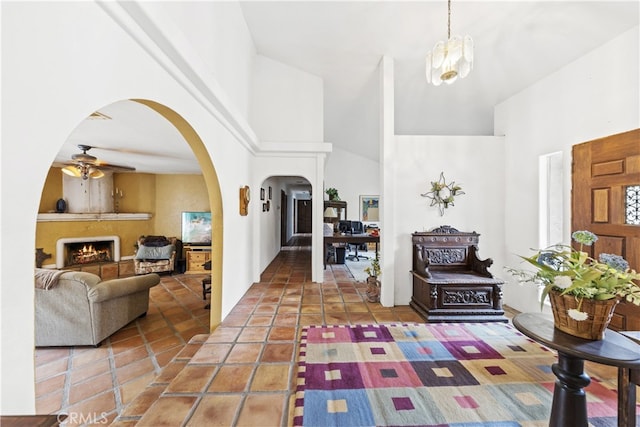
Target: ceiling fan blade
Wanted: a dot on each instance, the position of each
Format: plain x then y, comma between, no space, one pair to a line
109,166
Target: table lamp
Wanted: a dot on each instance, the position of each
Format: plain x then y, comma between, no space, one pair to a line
332,214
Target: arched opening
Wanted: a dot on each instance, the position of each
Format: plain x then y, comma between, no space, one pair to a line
128,152
134,189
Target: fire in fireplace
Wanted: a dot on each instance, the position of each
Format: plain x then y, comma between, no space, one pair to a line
86,250
87,253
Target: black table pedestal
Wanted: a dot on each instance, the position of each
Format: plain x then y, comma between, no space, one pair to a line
569,408
569,399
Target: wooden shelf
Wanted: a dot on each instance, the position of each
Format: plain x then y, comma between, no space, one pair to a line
62,217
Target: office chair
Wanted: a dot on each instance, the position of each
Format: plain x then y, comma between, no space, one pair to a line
345,227
357,228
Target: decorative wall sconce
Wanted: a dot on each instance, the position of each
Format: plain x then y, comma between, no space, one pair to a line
245,197
443,194
117,195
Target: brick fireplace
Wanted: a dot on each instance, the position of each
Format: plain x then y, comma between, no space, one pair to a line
73,251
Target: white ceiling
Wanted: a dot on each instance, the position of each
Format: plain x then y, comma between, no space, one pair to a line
516,44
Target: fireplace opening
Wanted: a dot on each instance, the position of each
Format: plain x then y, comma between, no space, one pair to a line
74,251
88,252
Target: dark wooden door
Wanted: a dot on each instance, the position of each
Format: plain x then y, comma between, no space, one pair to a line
602,171
304,216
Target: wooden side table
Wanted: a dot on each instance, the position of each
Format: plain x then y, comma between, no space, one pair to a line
569,408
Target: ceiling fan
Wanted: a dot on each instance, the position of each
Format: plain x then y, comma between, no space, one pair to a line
86,166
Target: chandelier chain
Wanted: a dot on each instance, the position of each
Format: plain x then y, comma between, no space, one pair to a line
449,21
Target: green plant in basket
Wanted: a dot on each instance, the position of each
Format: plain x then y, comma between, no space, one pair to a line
374,269
573,272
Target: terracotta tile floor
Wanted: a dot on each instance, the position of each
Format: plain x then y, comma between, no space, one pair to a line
165,370
87,380
243,373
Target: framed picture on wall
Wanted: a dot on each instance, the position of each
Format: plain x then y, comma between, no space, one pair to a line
369,208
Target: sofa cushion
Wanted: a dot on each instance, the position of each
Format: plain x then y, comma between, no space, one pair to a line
154,252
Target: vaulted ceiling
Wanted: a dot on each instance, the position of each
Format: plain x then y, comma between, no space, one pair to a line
516,44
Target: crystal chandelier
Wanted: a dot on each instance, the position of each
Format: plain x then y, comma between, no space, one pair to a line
451,59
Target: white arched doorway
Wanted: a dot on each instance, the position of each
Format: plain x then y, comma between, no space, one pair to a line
150,137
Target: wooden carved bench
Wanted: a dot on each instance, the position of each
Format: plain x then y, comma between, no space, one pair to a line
450,282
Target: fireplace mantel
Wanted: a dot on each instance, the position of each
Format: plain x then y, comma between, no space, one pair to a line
61,217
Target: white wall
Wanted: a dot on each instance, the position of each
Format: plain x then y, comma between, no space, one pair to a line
353,176
60,62
269,222
218,33
286,103
595,96
419,160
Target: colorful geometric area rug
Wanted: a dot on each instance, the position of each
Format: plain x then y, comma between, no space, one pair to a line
438,374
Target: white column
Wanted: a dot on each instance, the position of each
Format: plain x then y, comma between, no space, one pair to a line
317,246
387,184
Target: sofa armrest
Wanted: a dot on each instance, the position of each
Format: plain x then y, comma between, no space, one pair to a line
110,289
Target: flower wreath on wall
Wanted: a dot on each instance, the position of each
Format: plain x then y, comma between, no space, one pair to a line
443,194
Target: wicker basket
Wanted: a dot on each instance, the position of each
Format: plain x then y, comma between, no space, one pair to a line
593,328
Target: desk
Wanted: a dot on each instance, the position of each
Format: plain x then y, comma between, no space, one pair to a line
355,239
569,401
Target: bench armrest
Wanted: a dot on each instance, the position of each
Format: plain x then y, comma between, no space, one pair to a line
477,265
420,262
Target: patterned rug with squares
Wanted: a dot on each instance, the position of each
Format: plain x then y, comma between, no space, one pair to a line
438,374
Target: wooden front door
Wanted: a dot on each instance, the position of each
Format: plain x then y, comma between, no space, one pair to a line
601,172
304,216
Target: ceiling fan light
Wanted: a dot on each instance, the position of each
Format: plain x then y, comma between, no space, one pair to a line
95,173
71,171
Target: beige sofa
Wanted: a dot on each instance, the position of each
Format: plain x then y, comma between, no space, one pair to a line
78,308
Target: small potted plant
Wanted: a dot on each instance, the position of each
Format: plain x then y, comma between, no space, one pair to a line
583,291
373,284
332,193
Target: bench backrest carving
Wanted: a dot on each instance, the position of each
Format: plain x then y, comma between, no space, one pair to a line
447,249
